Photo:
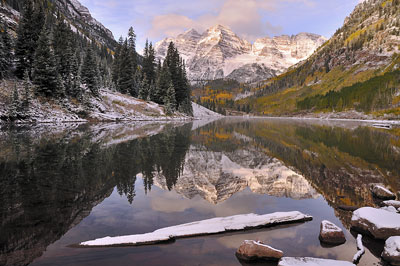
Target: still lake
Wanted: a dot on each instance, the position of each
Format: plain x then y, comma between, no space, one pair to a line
61,185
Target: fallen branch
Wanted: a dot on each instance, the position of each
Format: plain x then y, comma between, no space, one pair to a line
205,227
361,250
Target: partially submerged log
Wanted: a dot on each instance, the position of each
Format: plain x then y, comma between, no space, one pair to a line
287,261
361,250
200,228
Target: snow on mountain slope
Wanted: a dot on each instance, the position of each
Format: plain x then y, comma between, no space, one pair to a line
220,53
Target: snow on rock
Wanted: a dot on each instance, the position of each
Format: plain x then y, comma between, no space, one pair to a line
381,224
252,250
202,112
331,233
205,227
389,209
391,253
393,203
287,261
381,192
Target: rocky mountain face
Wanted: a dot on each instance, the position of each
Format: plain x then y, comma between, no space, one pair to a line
77,15
216,176
358,66
220,53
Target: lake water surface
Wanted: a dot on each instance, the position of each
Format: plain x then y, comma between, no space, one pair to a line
62,186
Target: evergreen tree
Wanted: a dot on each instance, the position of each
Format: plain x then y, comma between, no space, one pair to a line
5,51
126,76
28,93
89,72
45,71
170,101
63,50
149,65
144,89
132,48
14,107
116,67
28,33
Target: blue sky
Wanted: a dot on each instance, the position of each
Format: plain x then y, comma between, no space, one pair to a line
250,19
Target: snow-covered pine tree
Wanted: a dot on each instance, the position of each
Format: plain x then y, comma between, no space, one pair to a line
170,101
5,51
144,89
89,72
15,105
132,48
149,66
28,32
126,75
28,93
116,67
44,68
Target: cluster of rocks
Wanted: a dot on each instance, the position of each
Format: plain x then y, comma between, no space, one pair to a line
380,223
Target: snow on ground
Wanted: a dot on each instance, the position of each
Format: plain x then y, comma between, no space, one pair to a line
200,112
205,227
114,106
380,223
286,261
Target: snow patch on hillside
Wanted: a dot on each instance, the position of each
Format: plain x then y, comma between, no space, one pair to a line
200,112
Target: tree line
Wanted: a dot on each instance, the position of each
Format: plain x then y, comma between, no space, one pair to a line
165,83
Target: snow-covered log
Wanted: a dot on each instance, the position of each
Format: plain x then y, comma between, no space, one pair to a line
205,227
287,261
361,250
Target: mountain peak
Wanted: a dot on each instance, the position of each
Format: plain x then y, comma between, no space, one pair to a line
219,28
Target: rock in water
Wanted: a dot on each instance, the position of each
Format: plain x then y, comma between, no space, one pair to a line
252,250
312,262
331,234
391,252
381,224
381,192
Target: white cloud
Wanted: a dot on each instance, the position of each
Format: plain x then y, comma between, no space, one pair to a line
244,17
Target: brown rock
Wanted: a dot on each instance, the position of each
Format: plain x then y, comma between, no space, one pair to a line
331,234
252,250
381,192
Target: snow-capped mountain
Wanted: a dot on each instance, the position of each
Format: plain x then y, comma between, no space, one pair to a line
220,53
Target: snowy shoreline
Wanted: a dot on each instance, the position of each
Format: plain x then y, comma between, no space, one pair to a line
369,121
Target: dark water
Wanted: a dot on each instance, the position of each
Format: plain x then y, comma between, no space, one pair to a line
63,186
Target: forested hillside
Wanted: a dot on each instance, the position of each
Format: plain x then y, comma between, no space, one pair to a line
55,57
357,69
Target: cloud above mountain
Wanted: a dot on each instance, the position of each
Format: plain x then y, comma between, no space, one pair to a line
250,19
245,17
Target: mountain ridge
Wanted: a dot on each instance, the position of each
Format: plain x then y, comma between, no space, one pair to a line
220,53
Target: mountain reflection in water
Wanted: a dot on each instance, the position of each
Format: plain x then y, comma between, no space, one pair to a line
51,179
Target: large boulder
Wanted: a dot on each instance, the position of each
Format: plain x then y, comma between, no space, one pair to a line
312,262
331,234
252,250
383,193
381,224
391,253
